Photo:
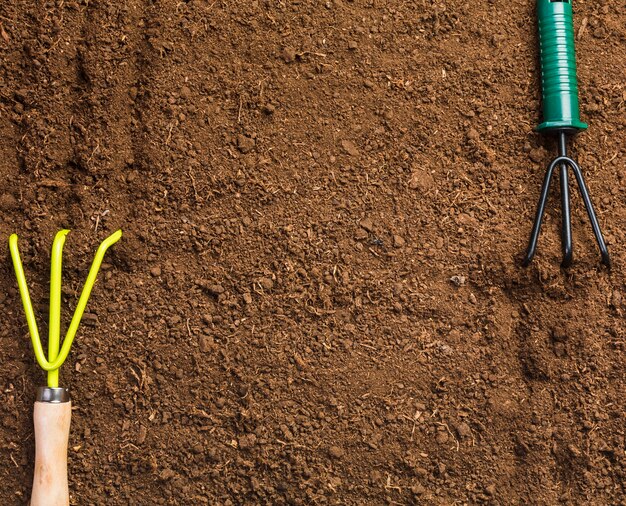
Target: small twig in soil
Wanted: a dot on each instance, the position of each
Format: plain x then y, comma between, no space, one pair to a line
98,216
293,445
188,328
367,346
389,486
193,185
451,434
416,417
610,159
95,150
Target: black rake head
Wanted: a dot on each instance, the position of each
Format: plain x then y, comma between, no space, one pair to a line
564,162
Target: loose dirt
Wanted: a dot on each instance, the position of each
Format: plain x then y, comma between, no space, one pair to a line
317,298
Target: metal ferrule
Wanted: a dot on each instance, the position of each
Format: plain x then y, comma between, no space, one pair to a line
53,395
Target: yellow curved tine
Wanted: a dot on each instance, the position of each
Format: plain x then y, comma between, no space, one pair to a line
84,297
54,322
28,306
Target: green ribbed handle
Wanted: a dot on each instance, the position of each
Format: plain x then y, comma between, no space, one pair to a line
559,86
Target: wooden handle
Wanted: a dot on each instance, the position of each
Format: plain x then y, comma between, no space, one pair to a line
52,430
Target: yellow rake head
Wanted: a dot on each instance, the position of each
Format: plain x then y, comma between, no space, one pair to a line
56,356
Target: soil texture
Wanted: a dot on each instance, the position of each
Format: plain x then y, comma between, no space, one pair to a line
318,297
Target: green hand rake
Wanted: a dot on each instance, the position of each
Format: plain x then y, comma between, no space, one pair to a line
561,117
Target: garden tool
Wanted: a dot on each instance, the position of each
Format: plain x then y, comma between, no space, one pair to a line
53,408
561,118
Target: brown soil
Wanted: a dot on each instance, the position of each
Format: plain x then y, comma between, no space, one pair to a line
318,298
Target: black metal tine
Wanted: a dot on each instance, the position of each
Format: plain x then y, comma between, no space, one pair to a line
566,220
541,206
604,252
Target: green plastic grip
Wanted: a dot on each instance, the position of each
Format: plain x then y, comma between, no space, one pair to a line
559,86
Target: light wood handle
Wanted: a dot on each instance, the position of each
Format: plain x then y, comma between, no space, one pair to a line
52,430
